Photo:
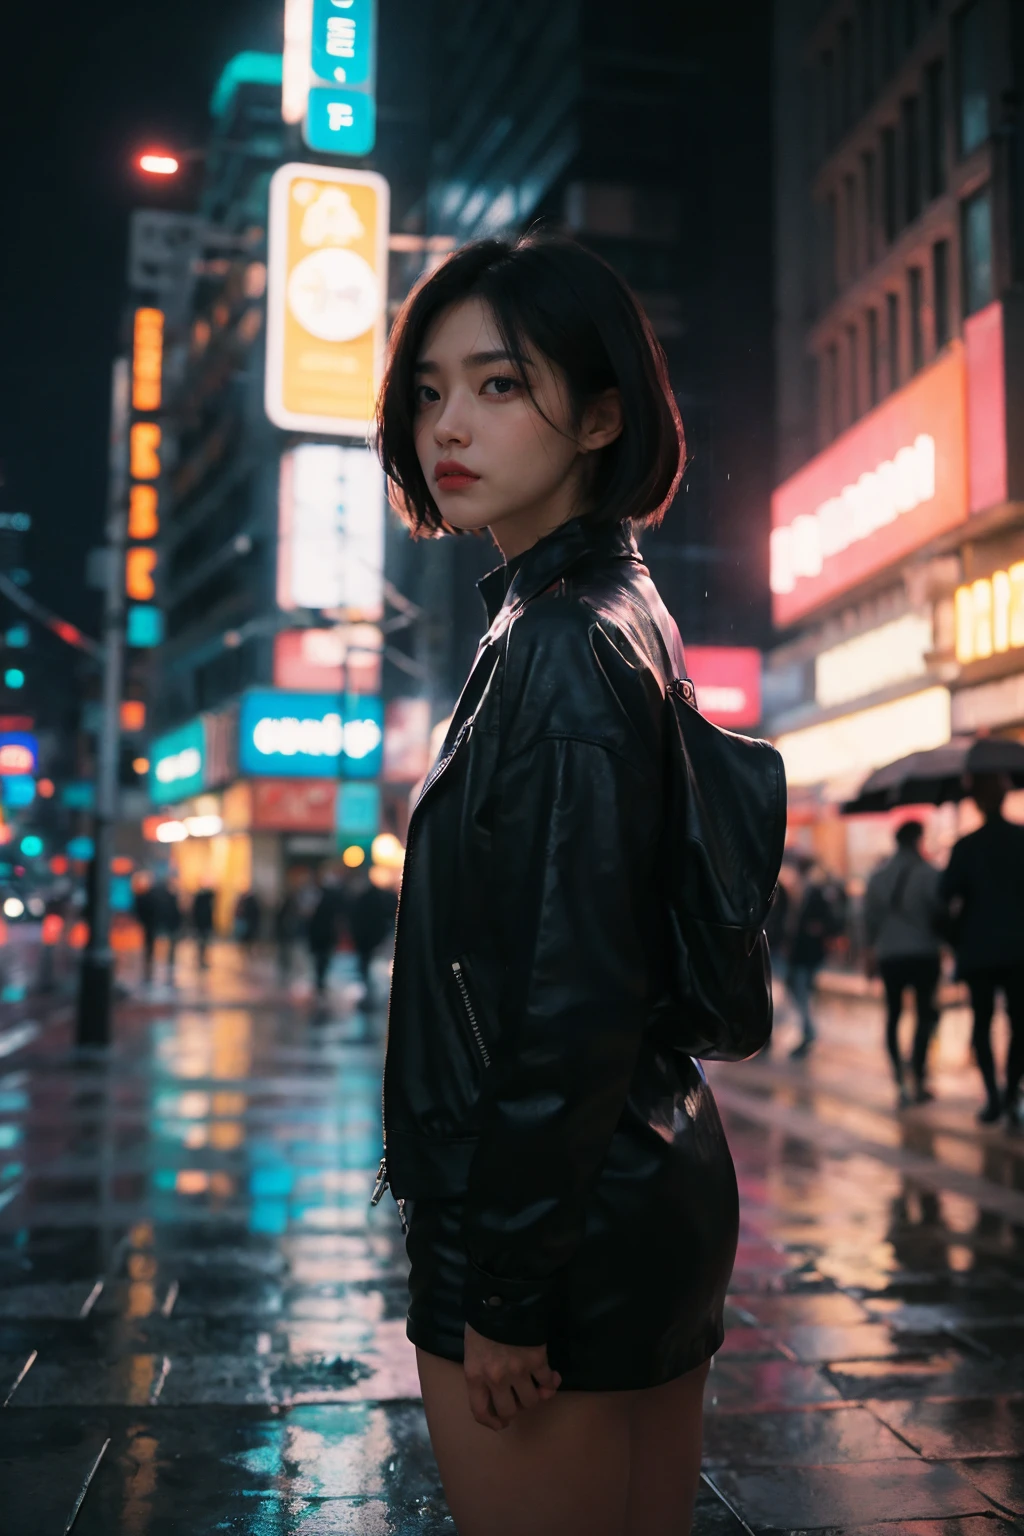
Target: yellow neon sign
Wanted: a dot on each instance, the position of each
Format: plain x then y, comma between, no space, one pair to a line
139,566
144,450
143,522
147,359
989,615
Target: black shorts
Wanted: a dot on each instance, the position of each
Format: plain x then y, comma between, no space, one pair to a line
642,1299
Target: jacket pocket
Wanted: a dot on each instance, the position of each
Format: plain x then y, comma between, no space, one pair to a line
468,1012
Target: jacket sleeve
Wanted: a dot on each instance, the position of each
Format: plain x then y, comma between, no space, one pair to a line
574,844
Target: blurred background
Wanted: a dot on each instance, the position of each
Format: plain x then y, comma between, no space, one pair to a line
820,206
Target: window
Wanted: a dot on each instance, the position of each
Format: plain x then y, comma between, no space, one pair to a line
940,291
870,210
846,72
866,33
832,391
889,205
872,325
911,125
972,86
828,97
892,315
852,361
976,244
916,319
935,112
850,219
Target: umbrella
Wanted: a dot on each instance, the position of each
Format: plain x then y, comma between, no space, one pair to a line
932,778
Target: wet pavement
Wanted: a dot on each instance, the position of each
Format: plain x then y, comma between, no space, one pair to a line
202,1322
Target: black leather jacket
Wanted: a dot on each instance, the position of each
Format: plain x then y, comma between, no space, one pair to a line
530,952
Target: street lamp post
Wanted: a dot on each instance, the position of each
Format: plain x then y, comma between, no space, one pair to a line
96,978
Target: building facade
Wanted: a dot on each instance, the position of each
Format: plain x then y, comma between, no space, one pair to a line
898,514
646,141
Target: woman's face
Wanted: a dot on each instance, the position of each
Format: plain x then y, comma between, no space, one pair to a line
488,454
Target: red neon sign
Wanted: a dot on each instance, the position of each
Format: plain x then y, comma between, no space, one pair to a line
727,679
885,487
15,758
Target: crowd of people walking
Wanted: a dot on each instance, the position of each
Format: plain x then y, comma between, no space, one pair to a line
912,914
324,914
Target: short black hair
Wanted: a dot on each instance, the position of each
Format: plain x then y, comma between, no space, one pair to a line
909,834
550,291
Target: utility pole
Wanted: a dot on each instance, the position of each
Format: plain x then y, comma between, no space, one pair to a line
96,979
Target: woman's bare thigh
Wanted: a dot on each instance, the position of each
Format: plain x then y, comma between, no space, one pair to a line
576,1466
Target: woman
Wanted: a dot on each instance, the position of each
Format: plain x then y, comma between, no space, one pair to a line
570,1198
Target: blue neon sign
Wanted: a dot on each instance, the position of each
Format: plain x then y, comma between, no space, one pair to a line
310,735
343,41
176,764
341,108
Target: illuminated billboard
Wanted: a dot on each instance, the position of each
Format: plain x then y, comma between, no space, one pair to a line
176,764
867,739
331,530
346,658
19,752
310,735
326,298
727,681
885,487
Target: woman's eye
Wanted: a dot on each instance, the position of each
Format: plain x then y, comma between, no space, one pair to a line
426,394
502,385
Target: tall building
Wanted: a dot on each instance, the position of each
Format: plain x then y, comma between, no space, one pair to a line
647,139
897,546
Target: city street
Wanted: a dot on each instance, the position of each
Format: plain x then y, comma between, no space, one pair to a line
202,1322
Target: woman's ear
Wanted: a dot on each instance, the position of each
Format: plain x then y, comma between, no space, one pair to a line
602,421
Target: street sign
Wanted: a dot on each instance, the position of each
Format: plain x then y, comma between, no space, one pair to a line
326,298
176,763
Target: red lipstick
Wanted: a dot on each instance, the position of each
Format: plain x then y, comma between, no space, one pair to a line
450,475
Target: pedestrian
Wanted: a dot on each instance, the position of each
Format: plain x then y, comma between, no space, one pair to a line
324,930
166,920
982,896
248,920
371,920
202,923
145,908
287,927
900,912
815,923
572,1224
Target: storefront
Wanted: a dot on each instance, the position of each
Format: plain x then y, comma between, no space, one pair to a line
897,573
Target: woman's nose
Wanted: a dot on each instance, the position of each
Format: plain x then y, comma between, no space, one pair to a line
451,426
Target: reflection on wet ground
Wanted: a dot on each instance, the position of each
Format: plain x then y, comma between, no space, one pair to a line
202,1322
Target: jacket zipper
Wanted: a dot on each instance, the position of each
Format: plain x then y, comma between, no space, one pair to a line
382,1182
467,1003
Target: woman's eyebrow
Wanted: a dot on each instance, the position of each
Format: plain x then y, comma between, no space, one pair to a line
473,360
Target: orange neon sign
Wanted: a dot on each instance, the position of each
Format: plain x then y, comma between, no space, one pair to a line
144,450
133,715
143,522
139,566
147,359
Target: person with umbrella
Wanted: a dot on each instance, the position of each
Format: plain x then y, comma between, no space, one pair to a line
982,890
981,893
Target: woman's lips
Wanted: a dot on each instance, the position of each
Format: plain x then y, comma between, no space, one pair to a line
452,476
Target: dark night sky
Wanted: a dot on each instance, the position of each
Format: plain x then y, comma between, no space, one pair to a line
81,88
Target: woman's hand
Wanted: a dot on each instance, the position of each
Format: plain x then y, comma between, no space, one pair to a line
503,1379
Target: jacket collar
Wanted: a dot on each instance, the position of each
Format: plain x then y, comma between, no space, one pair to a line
548,559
